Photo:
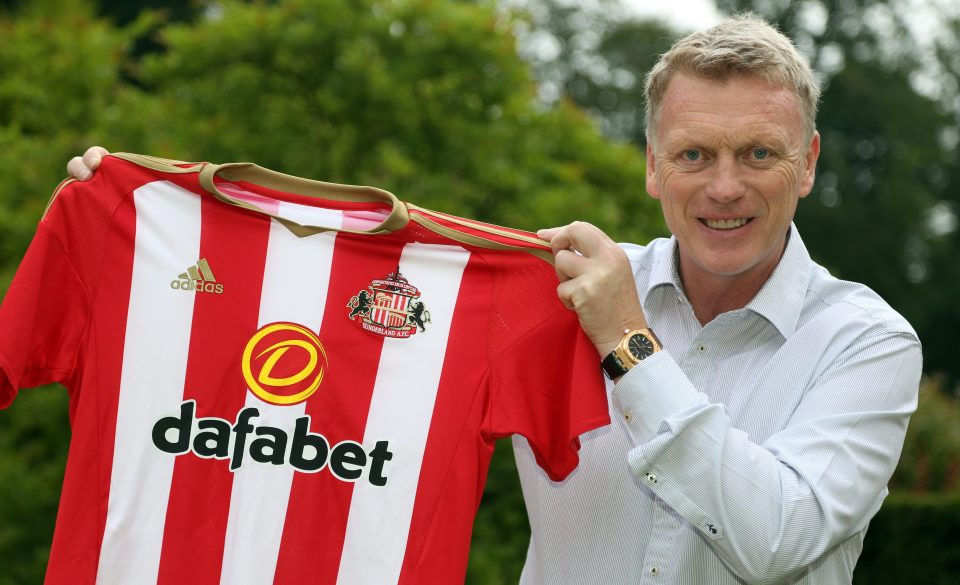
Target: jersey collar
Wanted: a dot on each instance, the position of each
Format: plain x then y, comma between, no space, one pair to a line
395,220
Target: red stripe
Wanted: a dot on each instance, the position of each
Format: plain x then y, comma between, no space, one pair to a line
319,502
75,550
235,244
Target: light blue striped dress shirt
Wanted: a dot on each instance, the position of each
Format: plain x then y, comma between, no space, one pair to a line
754,449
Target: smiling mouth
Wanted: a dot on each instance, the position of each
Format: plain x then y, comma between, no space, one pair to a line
725,224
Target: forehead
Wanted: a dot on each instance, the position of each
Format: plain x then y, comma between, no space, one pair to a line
740,106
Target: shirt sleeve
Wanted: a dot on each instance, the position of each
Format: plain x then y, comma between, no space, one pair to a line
771,509
548,387
42,317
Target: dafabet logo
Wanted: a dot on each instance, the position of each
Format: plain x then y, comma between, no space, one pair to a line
283,363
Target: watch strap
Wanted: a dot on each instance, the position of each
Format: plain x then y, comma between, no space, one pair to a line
612,366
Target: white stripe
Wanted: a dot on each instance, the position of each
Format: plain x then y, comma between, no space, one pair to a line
295,285
401,412
156,344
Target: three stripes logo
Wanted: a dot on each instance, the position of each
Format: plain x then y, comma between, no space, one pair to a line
198,278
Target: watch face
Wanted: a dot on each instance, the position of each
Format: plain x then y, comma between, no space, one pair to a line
640,346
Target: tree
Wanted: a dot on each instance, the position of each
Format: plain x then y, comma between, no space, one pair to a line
595,55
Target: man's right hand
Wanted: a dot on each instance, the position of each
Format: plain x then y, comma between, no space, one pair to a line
82,167
596,281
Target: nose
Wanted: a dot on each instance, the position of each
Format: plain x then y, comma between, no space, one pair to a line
726,183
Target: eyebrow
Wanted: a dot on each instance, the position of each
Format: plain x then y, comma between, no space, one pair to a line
686,139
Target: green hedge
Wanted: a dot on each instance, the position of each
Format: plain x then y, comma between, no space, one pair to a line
913,539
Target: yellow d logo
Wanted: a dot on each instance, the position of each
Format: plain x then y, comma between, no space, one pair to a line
283,376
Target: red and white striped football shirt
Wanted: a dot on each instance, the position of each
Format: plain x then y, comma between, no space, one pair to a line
275,380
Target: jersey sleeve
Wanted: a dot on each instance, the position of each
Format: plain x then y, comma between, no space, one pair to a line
548,387
41,318
46,310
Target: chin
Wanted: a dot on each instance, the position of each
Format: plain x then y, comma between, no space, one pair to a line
729,267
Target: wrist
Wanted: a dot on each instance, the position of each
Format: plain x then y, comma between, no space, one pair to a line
635,346
612,341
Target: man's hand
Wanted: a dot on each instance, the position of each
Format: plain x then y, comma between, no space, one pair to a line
595,281
82,167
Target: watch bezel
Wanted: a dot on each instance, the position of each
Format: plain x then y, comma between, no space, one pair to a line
628,350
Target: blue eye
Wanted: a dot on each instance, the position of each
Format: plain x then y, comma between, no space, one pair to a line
760,153
691,155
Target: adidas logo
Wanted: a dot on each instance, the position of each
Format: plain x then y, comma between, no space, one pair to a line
198,278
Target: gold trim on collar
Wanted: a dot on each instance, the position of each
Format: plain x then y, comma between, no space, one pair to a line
479,241
164,165
258,175
482,227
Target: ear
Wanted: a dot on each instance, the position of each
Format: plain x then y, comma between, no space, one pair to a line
810,162
652,188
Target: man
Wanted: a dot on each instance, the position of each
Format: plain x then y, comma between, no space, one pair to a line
762,403
757,443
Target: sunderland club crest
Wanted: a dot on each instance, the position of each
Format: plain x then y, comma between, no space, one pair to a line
390,307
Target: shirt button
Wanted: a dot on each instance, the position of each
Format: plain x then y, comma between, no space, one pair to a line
651,478
654,571
701,348
628,416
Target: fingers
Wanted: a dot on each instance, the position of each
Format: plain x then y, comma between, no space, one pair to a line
78,170
581,237
82,167
93,156
569,264
573,293
596,281
574,245
547,234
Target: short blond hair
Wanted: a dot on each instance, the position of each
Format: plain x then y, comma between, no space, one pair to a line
741,45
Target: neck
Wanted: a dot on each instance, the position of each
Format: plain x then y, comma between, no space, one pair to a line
710,299
711,295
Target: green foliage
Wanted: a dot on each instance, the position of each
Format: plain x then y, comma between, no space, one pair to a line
426,98
33,450
61,75
500,534
912,540
602,57
878,179
930,462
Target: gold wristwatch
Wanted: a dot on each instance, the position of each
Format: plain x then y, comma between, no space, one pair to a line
636,346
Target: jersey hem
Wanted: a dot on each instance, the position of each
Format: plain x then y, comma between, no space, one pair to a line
8,389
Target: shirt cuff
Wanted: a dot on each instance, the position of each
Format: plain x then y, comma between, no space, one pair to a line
650,392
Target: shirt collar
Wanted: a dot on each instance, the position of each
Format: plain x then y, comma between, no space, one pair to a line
779,301
663,272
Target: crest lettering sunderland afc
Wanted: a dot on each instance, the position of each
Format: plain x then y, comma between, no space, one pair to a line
390,307
327,415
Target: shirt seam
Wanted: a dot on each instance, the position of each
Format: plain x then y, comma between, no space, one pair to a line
88,298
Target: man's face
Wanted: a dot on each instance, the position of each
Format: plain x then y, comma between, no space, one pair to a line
728,163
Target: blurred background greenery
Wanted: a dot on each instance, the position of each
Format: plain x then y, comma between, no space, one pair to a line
521,112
